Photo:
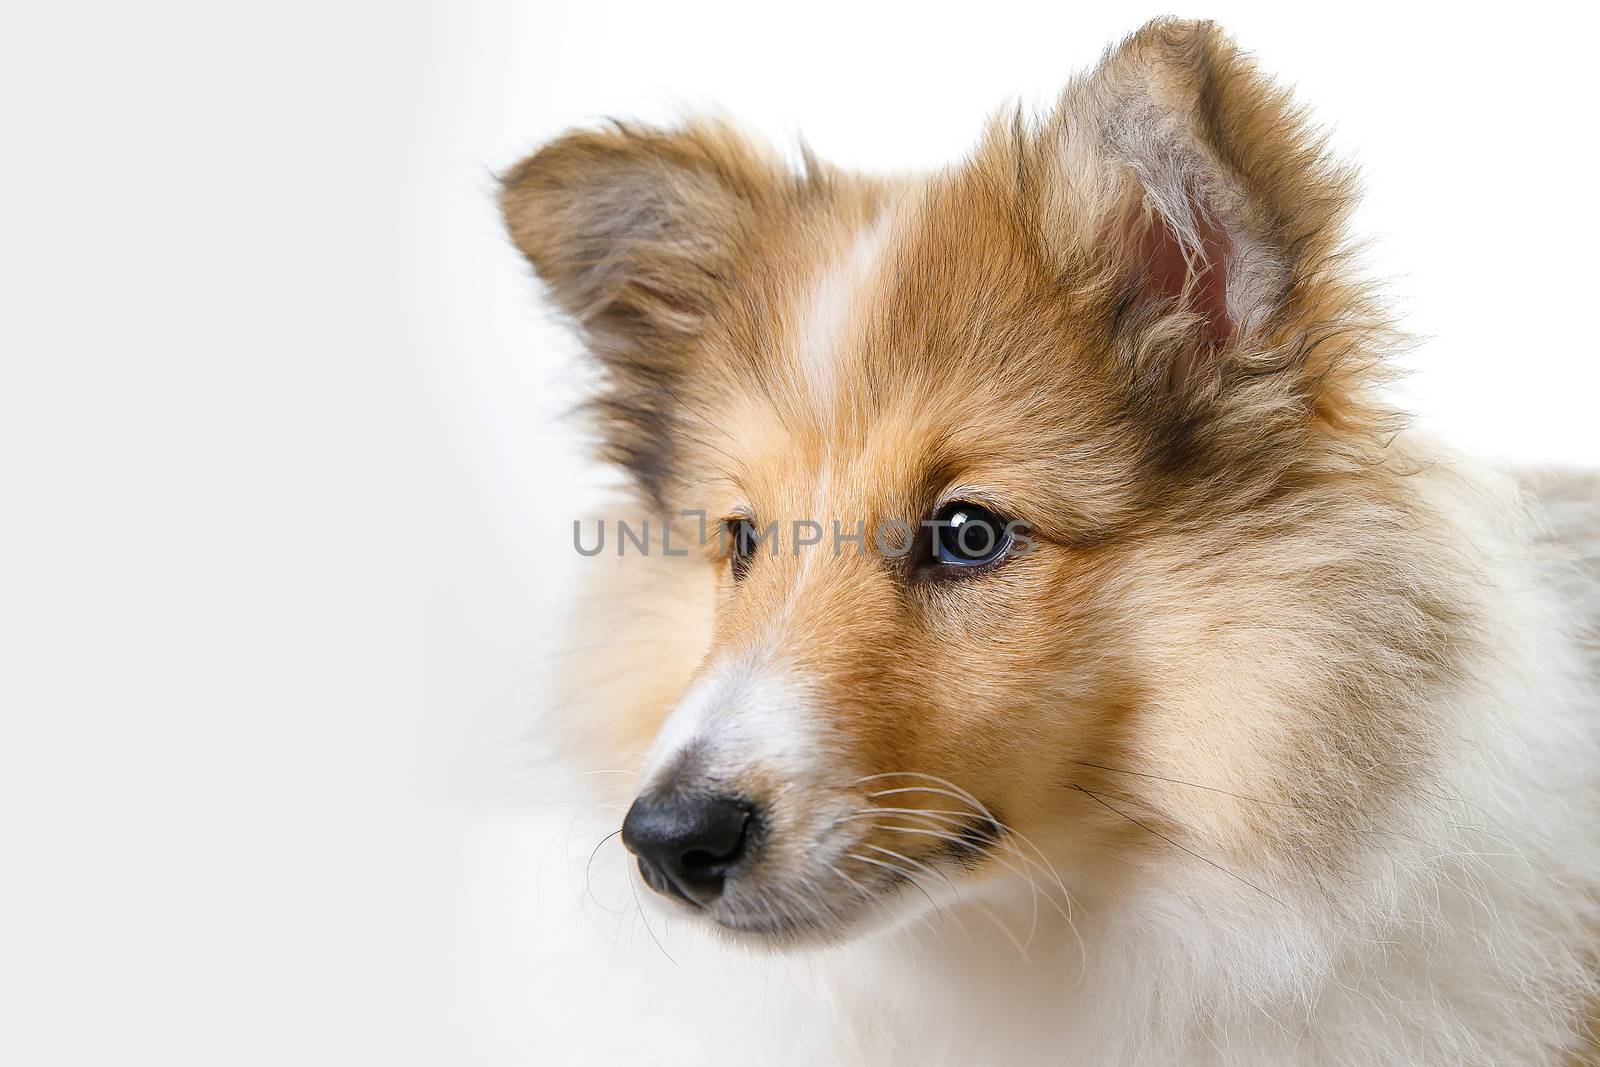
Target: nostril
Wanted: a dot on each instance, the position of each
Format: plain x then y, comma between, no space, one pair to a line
687,842
700,858
703,859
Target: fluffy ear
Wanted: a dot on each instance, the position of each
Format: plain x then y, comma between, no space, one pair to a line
1176,177
637,232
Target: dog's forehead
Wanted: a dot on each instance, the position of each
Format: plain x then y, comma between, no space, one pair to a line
860,309
938,298
890,355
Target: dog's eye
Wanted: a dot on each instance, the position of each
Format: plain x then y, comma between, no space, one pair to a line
743,544
968,535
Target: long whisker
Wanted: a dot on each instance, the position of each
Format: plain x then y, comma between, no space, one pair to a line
877,905
900,873
1025,875
1019,839
1021,872
957,793
588,879
1191,785
1203,859
967,937
978,905
904,811
648,929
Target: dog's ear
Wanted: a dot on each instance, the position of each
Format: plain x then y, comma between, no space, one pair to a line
1191,194
636,232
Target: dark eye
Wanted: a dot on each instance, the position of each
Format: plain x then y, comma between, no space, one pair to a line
968,535
743,544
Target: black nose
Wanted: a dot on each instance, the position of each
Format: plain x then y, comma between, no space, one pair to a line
687,841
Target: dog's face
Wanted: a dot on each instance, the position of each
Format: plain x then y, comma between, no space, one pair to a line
896,656
991,463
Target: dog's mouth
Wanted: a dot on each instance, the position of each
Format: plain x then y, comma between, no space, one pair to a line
832,903
868,868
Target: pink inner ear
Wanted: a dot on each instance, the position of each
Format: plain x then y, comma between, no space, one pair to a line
1202,278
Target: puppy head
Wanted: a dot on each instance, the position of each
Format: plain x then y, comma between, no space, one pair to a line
1119,341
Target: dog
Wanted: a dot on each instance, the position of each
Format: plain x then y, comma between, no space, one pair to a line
1041,558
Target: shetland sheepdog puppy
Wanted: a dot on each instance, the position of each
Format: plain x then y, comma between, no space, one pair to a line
1043,558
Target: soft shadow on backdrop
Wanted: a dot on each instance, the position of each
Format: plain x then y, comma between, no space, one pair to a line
290,491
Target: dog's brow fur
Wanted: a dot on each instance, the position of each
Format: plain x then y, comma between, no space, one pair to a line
1301,706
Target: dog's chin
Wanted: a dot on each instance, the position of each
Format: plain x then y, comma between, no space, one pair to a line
770,920
765,933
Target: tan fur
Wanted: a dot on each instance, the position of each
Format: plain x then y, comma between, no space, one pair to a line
1255,608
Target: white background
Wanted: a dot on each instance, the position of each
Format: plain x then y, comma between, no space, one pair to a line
287,494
